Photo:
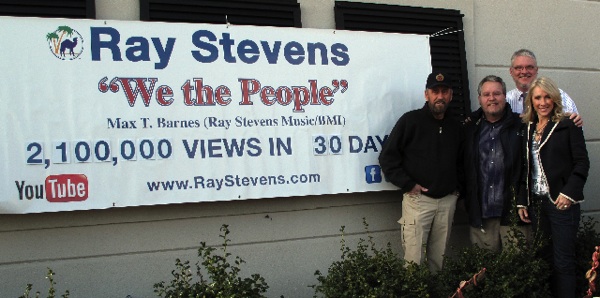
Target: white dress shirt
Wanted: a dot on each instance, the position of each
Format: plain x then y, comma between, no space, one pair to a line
513,97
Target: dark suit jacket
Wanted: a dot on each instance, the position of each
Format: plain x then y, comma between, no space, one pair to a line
564,159
511,140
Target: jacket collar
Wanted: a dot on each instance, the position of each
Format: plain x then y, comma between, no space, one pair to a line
545,135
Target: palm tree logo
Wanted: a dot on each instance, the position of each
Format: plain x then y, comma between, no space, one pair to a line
65,43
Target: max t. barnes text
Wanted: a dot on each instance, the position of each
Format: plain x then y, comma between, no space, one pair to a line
145,122
197,93
225,123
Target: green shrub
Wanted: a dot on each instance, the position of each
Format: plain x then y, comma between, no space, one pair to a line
516,271
223,280
371,272
51,290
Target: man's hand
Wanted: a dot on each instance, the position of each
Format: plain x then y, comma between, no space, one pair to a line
417,190
576,119
524,215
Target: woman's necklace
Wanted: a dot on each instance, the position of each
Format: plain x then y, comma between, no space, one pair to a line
539,130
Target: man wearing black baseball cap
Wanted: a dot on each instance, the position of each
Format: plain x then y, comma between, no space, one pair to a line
439,104
422,156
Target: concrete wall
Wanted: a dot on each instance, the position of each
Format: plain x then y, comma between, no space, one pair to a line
120,252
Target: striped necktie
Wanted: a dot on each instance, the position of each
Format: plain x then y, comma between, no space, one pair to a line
522,100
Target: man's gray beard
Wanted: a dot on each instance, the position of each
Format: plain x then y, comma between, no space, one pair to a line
438,110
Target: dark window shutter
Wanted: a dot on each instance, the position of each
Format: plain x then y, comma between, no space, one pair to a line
73,9
279,13
447,48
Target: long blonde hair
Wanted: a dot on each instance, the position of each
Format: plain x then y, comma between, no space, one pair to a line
548,86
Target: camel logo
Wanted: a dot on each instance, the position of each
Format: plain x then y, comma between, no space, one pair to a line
65,43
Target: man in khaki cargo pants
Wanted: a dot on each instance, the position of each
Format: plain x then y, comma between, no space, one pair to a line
422,156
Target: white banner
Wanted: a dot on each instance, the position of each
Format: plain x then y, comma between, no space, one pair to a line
100,114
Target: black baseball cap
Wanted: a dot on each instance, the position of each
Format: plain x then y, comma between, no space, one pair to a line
438,78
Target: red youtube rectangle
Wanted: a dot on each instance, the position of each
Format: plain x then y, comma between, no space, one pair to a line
67,188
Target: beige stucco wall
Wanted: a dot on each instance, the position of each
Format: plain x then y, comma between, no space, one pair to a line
120,252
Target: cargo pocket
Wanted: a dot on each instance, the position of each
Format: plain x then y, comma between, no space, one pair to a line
408,230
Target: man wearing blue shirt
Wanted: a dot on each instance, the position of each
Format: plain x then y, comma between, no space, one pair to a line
493,166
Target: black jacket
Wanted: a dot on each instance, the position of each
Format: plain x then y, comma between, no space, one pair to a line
564,160
424,150
511,139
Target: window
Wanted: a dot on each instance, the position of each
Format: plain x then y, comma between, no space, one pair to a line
280,13
74,9
447,48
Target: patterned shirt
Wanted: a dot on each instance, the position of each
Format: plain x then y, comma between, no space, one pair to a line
513,97
491,169
540,184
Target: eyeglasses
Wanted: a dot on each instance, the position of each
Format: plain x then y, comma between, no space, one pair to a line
492,94
521,68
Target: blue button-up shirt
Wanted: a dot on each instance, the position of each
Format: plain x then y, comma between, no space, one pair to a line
491,169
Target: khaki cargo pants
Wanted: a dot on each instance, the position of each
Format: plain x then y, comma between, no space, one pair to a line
426,224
